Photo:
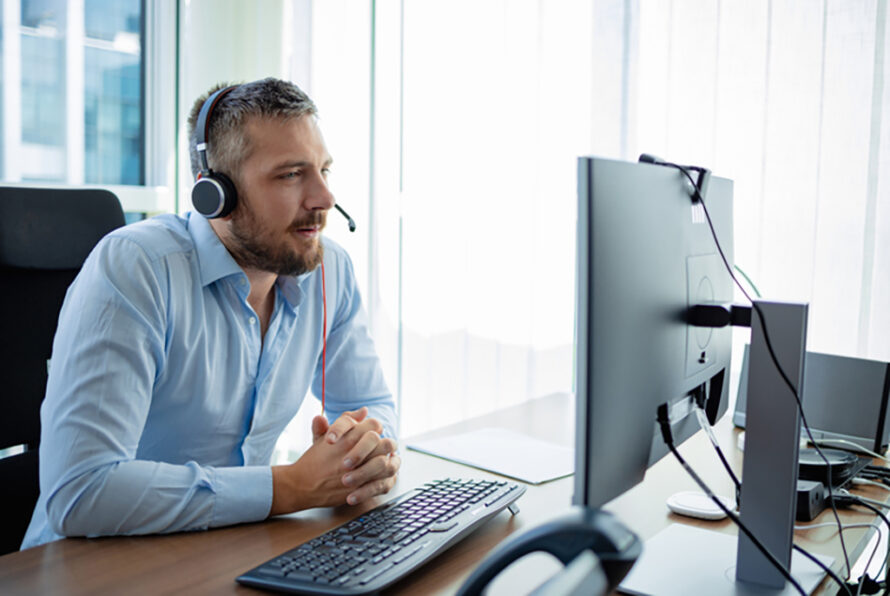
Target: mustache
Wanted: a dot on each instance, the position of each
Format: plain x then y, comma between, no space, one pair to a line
315,218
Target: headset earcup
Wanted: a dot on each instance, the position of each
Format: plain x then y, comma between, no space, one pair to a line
230,200
214,195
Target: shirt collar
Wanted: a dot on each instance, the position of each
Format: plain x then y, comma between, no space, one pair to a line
214,260
292,289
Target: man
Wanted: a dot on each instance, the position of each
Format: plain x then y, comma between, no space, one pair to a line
186,345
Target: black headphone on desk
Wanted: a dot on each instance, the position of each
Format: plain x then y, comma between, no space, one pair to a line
213,194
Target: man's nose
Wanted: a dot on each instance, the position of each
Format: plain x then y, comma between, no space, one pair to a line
320,195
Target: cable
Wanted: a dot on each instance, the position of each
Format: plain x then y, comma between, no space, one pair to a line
874,551
664,423
876,525
700,415
868,504
872,474
851,446
873,502
802,528
705,425
877,470
748,279
772,354
881,480
867,482
324,335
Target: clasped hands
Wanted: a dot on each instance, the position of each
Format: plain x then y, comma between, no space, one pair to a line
348,462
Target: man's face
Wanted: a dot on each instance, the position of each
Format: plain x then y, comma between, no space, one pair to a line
283,197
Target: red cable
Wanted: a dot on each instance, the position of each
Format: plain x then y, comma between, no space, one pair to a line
324,335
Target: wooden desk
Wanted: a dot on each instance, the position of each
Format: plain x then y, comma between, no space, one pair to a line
208,562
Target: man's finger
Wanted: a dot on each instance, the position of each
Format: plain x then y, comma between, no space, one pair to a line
378,486
369,446
344,424
319,427
382,466
358,415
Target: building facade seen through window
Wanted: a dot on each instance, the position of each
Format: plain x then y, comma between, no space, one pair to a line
72,91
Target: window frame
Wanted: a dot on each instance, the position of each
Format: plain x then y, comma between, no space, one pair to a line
160,48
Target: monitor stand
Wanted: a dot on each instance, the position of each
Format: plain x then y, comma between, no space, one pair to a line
681,557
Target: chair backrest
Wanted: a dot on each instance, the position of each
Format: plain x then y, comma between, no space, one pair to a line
45,236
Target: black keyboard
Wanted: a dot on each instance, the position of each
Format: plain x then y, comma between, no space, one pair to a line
387,543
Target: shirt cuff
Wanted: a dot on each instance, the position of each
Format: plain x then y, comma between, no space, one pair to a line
243,494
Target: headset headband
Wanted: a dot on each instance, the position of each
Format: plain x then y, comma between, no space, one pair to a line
202,126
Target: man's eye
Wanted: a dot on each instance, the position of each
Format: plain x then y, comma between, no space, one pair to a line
325,171
289,175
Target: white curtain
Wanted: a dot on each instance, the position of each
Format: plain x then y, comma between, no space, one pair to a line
478,109
786,98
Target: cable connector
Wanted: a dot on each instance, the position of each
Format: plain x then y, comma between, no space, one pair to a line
664,423
718,315
842,500
700,185
866,585
700,397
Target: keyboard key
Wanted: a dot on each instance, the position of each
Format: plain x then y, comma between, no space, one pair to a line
495,499
376,574
443,527
406,555
300,576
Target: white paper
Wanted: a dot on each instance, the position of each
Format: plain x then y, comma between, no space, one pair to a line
503,452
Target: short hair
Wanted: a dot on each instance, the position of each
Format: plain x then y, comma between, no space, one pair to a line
227,145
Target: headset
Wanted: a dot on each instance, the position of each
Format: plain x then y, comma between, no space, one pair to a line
213,194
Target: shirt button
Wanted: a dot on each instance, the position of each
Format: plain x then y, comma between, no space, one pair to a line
252,320
243,281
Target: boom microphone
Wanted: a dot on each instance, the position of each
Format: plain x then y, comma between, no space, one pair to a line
349,220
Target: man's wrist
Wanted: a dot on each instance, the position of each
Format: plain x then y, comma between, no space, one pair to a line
282,491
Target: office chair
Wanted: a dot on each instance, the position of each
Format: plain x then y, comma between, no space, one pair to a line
45,236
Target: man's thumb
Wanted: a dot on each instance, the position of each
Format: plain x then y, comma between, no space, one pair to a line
319,427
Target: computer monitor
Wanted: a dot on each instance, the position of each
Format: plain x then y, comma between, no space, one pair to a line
645,254
845,400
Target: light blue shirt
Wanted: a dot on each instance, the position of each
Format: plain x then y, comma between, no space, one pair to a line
164,404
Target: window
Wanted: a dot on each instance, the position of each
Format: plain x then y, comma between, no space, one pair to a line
113,107
474,146
72,91
86,87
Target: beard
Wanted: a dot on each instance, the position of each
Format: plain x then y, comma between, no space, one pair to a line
255,248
